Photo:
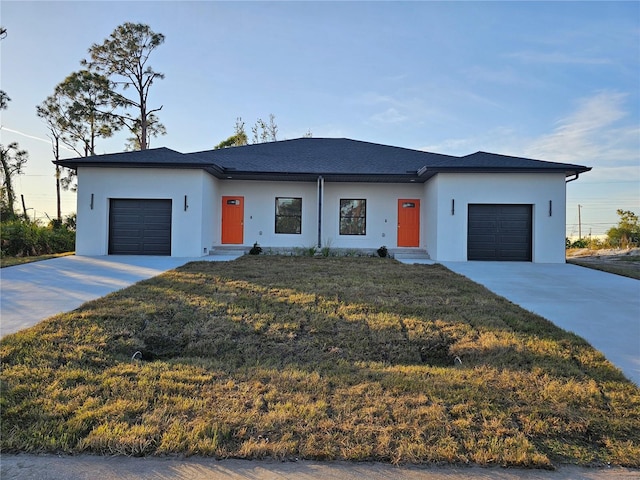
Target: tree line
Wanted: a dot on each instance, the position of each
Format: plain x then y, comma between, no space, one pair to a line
109,93
261,132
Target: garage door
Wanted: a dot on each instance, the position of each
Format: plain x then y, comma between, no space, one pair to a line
139,227
499,232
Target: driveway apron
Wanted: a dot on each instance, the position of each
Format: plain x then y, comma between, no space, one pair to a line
602,308
32,292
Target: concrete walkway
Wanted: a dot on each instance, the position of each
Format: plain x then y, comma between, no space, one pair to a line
602,308
88,467
34,291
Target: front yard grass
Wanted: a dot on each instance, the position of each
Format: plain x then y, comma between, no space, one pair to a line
7,261
316,358
625,266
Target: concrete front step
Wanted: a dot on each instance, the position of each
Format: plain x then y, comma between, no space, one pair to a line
402,253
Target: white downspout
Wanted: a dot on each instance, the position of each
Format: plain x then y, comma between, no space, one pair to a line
320,201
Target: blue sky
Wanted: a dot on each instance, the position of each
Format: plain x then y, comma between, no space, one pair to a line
555,81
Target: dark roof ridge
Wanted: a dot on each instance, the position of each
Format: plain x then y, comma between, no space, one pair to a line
323,139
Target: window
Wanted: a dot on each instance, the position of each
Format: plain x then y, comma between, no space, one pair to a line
288,215
353,217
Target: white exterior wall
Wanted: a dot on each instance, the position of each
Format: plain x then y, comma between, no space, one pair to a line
382,213
210,220
450,241
260,212
188,237
198,229
430,216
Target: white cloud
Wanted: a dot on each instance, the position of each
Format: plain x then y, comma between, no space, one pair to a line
500,139
592,135
25,134
614,175
33,137
390,115
394,109
598,134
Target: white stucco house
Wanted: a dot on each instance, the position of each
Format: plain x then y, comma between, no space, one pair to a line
322,191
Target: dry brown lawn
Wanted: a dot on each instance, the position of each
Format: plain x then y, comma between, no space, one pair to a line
316,358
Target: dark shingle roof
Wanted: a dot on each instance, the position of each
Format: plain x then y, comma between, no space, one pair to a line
337,159
322,156
143,157
153,157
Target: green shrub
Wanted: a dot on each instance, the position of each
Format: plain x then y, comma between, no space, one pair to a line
23,238
309,251
580,243
627,233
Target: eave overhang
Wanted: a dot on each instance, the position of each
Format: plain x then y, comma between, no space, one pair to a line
210,168
420,176
429,172
327,176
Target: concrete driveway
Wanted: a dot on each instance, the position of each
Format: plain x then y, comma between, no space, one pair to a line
602,308
32,292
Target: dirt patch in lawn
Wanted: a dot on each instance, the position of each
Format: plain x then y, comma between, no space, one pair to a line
624,262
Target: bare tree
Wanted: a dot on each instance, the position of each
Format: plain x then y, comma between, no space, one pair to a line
12,162
265,132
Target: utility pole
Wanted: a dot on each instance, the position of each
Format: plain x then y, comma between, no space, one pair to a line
579,223
24,207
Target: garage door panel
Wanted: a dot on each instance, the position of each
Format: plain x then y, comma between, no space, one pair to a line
156,219
140,227
499,232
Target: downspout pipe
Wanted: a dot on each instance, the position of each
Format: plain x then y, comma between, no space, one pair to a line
320,199
572,179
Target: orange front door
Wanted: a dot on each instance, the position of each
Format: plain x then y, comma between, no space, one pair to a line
408,223
232,220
